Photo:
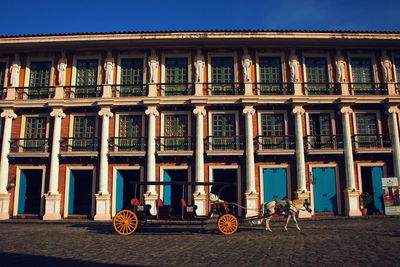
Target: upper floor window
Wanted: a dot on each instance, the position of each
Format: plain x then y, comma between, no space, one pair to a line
270,73
2,80
222,75
176,76
39,79
316,75
175,132
272,131
397,66
224,132
131,77
320,131
367,130
362,76
84,133
35,134
86,78
130,136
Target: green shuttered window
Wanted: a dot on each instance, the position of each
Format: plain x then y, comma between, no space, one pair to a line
317,72
131,77
175,132
273,131
176,71
362,75
39,80
222,74
84,133
35,132
270,73
86,78
223,131
130,132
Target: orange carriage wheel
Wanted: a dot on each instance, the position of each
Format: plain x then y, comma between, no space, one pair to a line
125,222
228,224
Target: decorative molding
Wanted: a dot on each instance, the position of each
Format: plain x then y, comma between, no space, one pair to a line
106,111
152,111
393,109
249,110
9,113
298,110
346,110
58,113
199,110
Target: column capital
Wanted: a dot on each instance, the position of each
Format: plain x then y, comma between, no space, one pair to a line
8,113
346,110
58,113
249,110
106,111
152,110
393,109
199,110
298,110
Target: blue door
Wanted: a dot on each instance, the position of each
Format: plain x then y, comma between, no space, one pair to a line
22,193
71,194
119,196
167,189
126,188
325,196
80,192
377,174
30,191
275,183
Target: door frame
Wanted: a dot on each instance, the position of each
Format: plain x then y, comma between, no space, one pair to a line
369,164
114,183
279,166
338,193
17,185
66,192
163,168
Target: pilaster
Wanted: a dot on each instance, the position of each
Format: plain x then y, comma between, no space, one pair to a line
200,200
152,112
4,206
11,93
102,207
252,204
348,148
352,203
150,199
59,92
298,112
107,91
52,207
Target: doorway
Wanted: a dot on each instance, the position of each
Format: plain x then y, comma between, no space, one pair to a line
80,192
274,184
30,191
228,193
172,194
126,189
371,179
324,189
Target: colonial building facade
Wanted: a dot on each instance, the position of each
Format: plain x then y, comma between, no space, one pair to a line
279,114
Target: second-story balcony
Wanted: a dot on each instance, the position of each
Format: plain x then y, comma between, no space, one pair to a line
29,147
127,146
274,88
368,89
83,91
34,92
224,145
129,90
82,146
323,144
175,89
277,144
174,146
3,93
321,89
367,143
225,88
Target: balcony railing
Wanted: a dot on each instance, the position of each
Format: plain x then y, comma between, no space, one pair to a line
274,88
35,92
70,144
323,141
127,144
3,92
321,89
83,91
224,142
276,142
29,145
175,89
174,143
128,90
371,141
368,89
225,88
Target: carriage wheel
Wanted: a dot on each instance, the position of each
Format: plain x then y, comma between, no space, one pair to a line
125,222
228,224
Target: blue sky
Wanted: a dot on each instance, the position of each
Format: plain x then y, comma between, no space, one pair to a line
60,16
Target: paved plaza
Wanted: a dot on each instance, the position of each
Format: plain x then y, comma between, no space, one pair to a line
342,241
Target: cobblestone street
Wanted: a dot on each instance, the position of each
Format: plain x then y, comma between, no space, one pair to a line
325,241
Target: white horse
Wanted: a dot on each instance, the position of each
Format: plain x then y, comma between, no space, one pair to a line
285,207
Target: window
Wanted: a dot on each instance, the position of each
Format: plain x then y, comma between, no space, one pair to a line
86,78
222,75
176,76
39,80
270,75
131,77
175,132
223,132
362,75
317,76
35,134
320,131
130,133
367,130
2,80
397,64
84,133
273,131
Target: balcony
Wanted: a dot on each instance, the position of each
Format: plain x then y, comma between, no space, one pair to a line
29,147
225,88
368,89
224,145
274,88
127,146
323,144
3,93
372,143
175,89
35,92
79,146
174,146
83,91
321,89
275,145
129,90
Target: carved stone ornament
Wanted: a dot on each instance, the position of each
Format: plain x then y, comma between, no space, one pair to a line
14,70
109,65
294,68
298,110
246,63
199,65
62,70
393,109
58,113
340,68
386,68
106,112
8,113
346,110
153,65
152,111
200,110
249,110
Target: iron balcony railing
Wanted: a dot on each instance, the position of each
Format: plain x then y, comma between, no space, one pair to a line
175,89
29,145
317,141
321,88
224,143
371,141
3,92
174,143
83,91
88,144
276,142
274,88
368,89
225,88
136,143
35,92
128,90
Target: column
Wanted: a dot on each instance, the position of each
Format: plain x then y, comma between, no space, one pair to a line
53,197
103,197
394,111
8,115
151,195
199,194
251,193
352,205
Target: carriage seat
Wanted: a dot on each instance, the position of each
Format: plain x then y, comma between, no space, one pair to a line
163,211
140,210
188,211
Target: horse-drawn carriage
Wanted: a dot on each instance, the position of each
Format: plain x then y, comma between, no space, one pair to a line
127,221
